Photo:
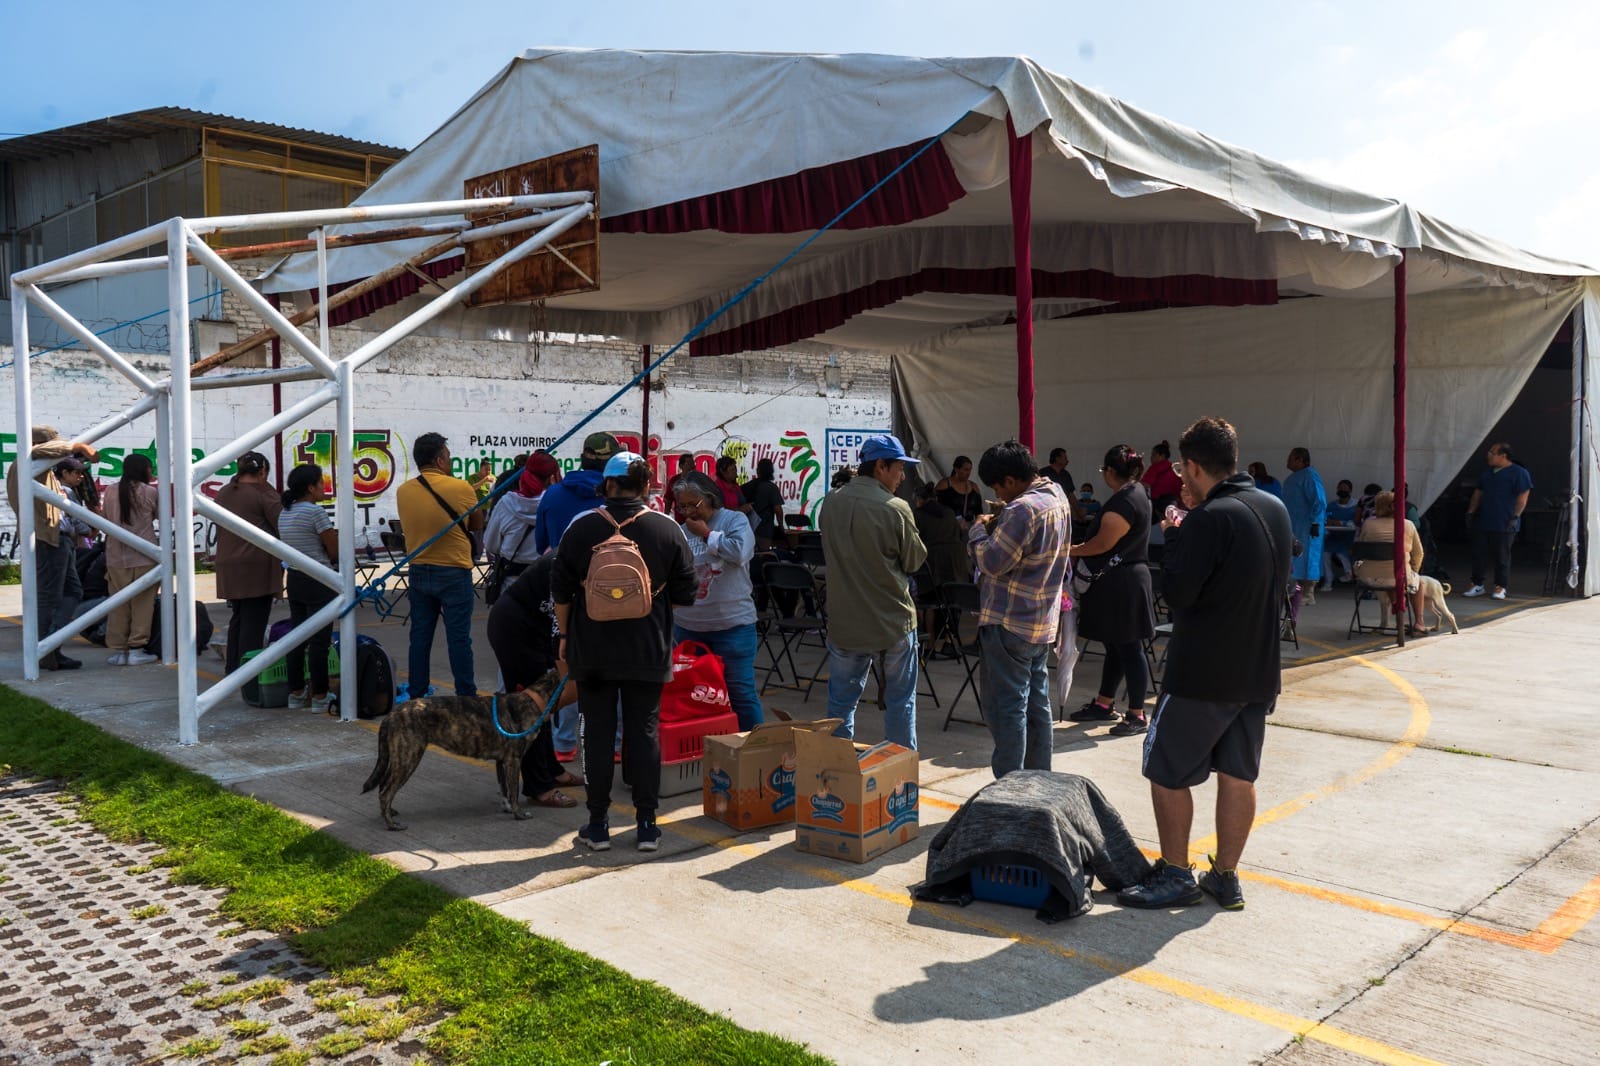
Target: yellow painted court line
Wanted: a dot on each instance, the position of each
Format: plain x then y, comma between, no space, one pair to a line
1416,729
1566,922
1289,1023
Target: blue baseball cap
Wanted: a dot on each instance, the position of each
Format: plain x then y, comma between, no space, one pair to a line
617,465
884,446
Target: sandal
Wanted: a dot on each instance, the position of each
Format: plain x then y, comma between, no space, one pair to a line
570,779
554,798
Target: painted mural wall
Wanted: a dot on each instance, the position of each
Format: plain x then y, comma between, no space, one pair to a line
489,419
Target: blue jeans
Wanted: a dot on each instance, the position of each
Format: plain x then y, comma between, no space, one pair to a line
847,679
445,590
1015,682
737,649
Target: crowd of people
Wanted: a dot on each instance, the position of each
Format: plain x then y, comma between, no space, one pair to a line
588,578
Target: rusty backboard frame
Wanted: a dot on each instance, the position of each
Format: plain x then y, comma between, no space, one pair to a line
563,269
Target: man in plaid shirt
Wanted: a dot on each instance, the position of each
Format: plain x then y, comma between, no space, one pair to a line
1021,554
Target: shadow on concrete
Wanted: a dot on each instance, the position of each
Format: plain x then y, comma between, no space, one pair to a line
1077,955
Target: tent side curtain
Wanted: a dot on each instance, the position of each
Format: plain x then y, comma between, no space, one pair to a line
818,316
1312,373
1588,441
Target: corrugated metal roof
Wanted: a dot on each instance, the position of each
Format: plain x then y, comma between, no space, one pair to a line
136,124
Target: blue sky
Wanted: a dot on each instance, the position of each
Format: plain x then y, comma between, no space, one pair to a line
1480,113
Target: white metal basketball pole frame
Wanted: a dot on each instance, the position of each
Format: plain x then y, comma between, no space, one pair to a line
171,401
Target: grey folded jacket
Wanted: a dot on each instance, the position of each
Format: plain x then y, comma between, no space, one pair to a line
1060,824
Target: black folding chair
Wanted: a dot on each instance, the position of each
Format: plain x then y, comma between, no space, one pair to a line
1370,551
794,577
396,595
1288,625
961,597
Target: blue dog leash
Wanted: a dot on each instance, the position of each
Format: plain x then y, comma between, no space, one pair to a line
553,701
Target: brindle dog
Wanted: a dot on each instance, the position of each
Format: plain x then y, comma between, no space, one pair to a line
460,724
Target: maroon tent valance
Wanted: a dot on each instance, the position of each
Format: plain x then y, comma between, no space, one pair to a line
808,200
819,316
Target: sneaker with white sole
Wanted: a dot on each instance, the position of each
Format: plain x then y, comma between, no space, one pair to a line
119,659
649,836
597,835
140,658
298,701
1498,594
322,704
1476,590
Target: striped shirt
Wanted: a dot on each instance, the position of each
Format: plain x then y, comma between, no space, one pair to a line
1022,560
301,525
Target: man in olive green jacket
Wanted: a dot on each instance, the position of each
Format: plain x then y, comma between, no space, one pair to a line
872,548
55,561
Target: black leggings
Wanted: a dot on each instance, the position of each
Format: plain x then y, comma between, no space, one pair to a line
1126,661
247,627
307,596
641,742
519,667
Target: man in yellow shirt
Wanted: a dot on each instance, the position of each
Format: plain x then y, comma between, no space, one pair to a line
441,574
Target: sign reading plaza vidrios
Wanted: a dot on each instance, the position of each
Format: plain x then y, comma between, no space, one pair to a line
383,461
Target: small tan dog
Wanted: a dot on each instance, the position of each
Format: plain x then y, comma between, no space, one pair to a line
1433,594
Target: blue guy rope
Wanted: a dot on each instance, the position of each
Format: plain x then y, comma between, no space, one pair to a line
373,591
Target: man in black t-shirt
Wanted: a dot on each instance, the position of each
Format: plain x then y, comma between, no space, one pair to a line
1056,470
1224,574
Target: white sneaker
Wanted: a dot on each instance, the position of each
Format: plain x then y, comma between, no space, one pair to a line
1498,594
140,658
298,701
119,659
322,704
1476,590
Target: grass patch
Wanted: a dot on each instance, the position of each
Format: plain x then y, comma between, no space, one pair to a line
335,1045
359,1016
248,1027
1468,751
154,910
198,1048
265,1045
1376,982
388,1027
193,988
505,996
266,989
297,1057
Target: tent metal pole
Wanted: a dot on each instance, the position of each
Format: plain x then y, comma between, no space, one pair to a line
1021,174
1401,615
22,470
644,401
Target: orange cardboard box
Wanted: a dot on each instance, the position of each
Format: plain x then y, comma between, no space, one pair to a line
852,801
749,777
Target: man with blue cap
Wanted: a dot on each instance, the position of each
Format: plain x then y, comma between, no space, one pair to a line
872,547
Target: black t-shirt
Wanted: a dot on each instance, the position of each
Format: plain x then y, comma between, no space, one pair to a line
1132,504
1224,575
634,649
529,595
767,499
965,506
1063,478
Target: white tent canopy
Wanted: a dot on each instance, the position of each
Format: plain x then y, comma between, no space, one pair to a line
1127,209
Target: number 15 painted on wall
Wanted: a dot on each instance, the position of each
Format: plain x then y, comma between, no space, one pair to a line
375,466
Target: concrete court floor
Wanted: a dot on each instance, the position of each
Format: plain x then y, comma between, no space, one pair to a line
1420,883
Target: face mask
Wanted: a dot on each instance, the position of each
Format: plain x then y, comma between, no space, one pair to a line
1085,495
1343,495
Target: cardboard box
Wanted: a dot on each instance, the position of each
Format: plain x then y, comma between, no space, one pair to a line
749,777
853,802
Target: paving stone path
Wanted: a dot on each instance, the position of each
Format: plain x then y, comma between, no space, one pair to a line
103,960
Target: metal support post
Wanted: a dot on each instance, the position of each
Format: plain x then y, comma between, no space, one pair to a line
344,478
182,464
166,487
23,468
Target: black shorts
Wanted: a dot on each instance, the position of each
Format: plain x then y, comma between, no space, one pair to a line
1189,738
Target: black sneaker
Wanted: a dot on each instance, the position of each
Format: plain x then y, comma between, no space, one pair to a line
1130,726
597,835
1164,886
649,836
1093,712
1222,886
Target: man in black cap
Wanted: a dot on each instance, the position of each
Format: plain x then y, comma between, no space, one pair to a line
59,590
